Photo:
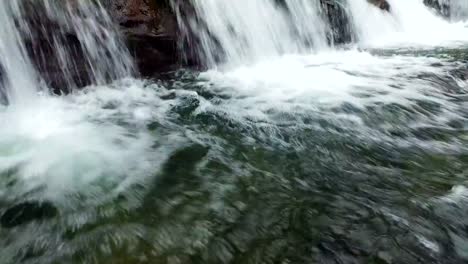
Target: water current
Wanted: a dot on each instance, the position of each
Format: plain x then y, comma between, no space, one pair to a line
285,150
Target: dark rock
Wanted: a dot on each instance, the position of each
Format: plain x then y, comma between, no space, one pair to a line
148,17
151,30
382,4
153,54
339,22
43,55
148,27
41,38
27,212
3,95
442,8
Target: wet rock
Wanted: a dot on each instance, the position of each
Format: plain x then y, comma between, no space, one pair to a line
43,55
41,36
382,4
150,28
153,54
339,20
27,212
3,95
441,7
149,17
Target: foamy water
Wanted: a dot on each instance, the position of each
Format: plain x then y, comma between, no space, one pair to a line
91,145
76,145
300,84
67,144
410,23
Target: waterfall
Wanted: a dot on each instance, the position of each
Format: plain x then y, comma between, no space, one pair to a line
243,31
52,32
17,74
409,21
79,142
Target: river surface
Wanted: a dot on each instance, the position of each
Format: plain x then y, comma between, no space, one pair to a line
357,154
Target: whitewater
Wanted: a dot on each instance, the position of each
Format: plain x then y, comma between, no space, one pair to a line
279,107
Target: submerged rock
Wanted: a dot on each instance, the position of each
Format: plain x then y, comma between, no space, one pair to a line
27,212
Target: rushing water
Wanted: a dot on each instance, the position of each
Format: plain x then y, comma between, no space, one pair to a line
287,150
248,31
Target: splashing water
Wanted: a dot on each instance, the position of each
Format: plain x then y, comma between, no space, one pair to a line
285,132
74,145
376,28
60,147
264,54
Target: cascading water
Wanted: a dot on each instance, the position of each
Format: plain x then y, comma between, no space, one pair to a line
77,145
247,31
105,55
271,62
399,27
289,148
17,73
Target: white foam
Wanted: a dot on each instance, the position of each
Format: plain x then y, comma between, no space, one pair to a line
431,245
456,195
409,23
93,143
295,82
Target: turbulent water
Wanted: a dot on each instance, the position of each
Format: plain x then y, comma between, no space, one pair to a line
289,149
